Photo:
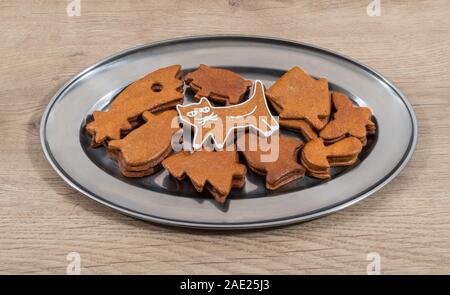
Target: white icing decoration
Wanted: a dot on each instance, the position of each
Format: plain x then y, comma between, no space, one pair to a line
213,117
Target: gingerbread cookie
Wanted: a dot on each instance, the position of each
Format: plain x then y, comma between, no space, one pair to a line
143,149
317,157
348,120
299,126
296,95
219,171
280,171
219,85
159,90
219,123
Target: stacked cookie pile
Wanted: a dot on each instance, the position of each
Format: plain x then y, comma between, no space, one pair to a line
335,129
139,127
318,157
348,121
140,152
199,168
140,149
302,102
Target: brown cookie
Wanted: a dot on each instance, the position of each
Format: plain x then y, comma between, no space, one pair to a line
142,150
140,173
348,120
317,157
279,169
299,126
219,85
371,127
219,123
218,171
296,95
159,90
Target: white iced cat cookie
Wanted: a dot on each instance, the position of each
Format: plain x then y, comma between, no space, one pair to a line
218,123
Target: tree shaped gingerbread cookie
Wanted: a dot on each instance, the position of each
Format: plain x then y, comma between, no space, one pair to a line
218,171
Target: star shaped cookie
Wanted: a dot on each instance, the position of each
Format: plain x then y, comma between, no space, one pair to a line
297,95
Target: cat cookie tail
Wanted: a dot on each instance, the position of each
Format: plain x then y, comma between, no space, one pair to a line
267,124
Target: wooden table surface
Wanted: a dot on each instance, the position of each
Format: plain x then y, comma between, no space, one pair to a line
42,219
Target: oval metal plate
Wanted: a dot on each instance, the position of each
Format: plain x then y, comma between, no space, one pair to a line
160,199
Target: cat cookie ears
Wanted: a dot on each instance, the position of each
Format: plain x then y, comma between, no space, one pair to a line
218,123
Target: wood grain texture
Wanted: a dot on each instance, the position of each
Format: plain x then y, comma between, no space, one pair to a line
42,218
